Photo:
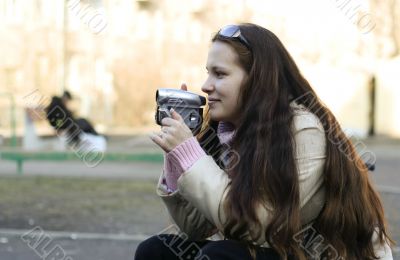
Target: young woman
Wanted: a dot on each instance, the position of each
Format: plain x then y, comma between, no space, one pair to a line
271,175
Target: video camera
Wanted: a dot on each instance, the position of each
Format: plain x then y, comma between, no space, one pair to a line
187,104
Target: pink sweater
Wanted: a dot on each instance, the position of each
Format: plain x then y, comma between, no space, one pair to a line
182,157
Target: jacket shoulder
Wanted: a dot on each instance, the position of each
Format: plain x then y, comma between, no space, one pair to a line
304,119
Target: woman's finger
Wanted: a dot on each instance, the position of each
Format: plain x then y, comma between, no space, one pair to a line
168,121
156,138
166,129
184,87
175,115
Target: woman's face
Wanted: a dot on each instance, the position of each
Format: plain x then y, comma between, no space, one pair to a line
225,77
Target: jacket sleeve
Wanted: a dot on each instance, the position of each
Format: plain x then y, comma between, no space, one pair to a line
383,252
184,215
205,185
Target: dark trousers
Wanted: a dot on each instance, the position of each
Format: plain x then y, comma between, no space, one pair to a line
86,126
172,247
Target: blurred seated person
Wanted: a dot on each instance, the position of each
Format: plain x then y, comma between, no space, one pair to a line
76,131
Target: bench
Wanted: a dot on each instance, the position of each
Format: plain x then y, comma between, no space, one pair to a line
20,156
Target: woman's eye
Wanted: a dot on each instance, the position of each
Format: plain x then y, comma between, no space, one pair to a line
219,74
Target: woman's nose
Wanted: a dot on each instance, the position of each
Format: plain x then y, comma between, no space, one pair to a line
207,86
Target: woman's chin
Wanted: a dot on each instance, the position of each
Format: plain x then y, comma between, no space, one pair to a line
216,117
213,116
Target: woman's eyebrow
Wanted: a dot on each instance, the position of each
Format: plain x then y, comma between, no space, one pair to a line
216,67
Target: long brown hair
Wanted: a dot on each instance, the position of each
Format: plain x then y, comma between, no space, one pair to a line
267,172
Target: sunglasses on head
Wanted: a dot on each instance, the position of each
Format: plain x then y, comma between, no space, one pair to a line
233,32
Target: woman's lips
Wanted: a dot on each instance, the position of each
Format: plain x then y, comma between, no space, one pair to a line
211,102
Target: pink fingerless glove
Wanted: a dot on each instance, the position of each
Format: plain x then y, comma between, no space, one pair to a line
179,160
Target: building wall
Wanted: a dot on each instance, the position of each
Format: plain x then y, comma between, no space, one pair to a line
144,45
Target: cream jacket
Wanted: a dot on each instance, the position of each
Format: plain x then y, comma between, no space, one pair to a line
194,207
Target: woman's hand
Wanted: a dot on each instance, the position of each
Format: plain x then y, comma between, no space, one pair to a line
174,131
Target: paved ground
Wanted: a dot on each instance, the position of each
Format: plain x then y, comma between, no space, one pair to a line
110,170
88,249
74,249
109,241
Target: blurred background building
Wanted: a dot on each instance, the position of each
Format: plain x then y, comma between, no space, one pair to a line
113,55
